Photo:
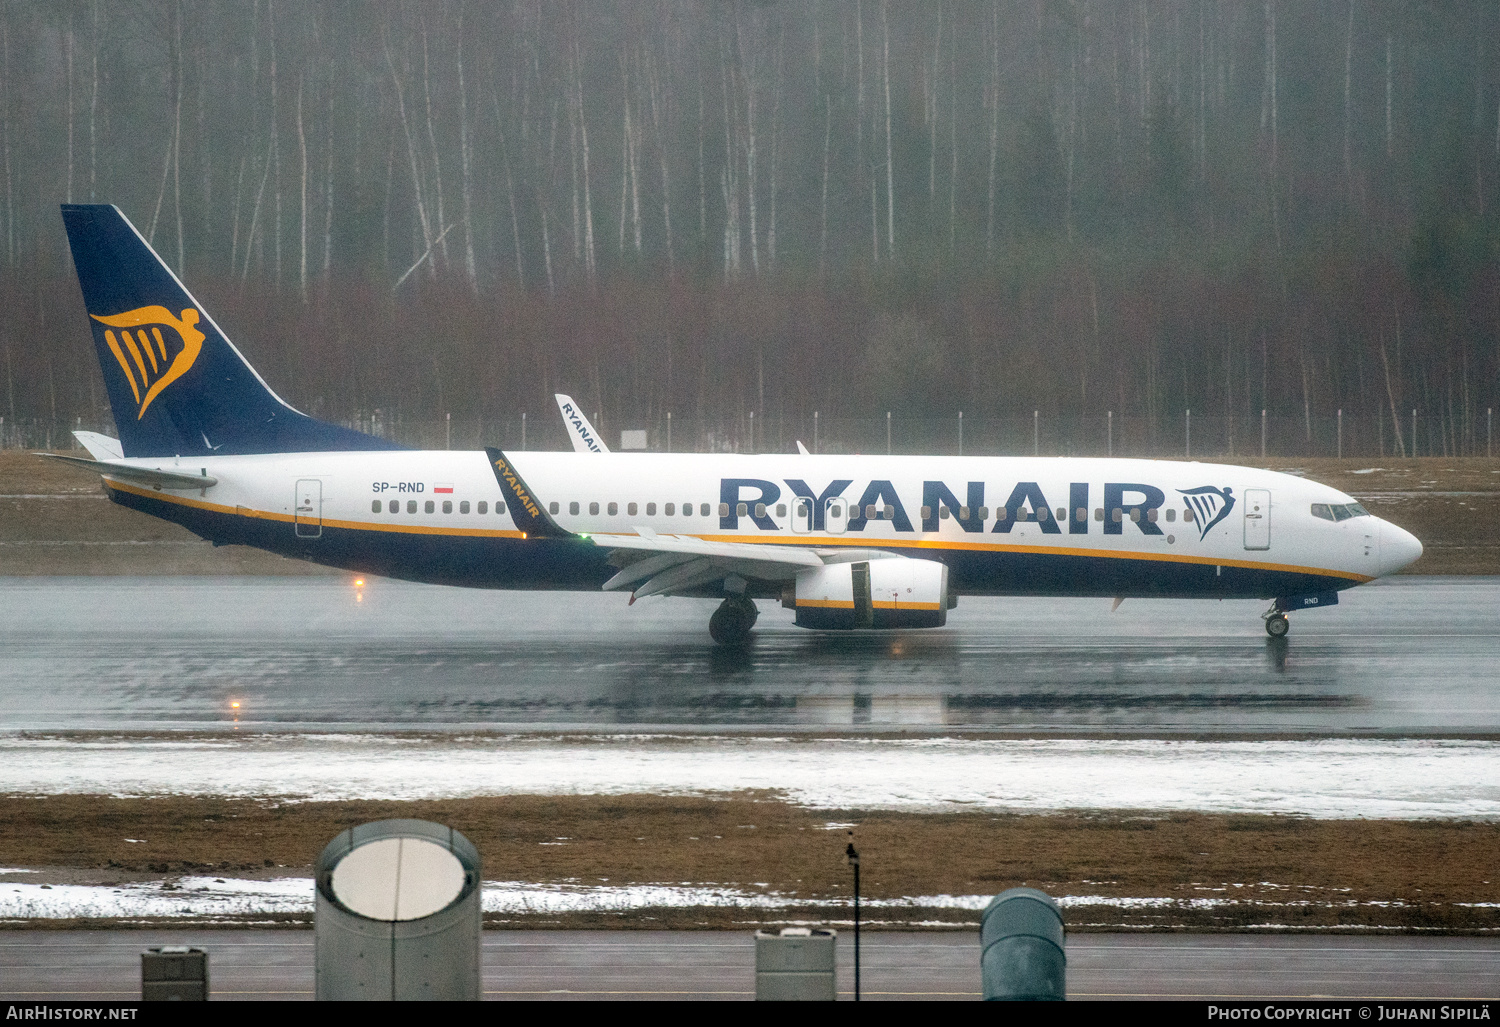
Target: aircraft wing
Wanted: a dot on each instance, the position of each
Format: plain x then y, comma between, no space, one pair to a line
585,439
153,476
676,563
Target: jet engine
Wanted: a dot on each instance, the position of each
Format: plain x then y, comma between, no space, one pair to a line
889,593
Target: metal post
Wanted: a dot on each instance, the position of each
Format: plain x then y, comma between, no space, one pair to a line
1414,432
887,433
1262,433
752,431
1190,433
960,433
1489,432
669,431
1111,433
1036,444
815,431
448,431
1341,433
523,432
852,855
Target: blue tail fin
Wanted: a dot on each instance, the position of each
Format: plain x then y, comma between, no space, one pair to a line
176,385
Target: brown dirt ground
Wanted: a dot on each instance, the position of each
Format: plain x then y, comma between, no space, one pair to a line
1285,871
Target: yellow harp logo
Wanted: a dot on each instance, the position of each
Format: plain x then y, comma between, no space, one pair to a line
150,359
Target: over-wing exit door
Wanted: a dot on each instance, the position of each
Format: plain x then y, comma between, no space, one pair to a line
1257,519
308,511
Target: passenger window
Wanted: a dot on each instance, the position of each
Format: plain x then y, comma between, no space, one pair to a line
780,509
1043,514
1188,516
1002,513
651,509
631,509
1098,513
702,510
593,509
760,509
1151,515
463,507
411,506
500,508
835,512
944,513
483,507
552,508
926,512
1062,514
740,510
1117,515
1081,514
614,509
724,509
430,506
669,509
1135,514
395,506
963,513
1171,515
447,506
375,506
573,508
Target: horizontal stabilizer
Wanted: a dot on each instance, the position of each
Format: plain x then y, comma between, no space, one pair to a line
156,477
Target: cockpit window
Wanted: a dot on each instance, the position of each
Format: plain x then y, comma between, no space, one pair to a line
1338,512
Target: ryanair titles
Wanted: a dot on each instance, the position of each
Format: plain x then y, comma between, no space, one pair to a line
834,507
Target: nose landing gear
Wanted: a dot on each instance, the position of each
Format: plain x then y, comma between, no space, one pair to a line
732,621
1276,623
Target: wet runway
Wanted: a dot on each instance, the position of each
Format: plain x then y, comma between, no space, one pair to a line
1412,655
105,965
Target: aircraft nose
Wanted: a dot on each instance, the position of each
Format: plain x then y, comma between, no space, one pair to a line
1398,548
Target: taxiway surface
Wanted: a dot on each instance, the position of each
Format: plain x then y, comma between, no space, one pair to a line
1411,655
105,965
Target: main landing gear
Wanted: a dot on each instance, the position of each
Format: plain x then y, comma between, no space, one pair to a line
732,621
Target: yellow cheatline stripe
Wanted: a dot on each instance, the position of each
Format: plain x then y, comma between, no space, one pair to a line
267,515
827,604
803,540
905,606
114,347
990,547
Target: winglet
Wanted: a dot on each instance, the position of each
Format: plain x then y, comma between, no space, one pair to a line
585,438
802,449
525,508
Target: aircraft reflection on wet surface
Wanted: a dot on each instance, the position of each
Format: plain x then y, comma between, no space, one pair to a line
1416,654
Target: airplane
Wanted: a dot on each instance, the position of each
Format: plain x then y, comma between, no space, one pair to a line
846,542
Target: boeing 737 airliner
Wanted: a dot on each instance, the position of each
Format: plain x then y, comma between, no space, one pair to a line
845,541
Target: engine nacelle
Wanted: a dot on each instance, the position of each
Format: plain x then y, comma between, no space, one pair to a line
892,593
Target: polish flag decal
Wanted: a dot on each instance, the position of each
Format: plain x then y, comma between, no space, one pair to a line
443,488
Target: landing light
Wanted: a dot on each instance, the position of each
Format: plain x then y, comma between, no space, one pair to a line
234,706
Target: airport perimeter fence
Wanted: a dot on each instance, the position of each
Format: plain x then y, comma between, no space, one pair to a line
1182,435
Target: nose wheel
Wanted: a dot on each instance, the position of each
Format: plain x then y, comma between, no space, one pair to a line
1277,625
732,621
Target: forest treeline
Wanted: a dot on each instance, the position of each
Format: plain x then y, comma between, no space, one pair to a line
719,207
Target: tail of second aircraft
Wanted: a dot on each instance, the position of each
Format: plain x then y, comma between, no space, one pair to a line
176,384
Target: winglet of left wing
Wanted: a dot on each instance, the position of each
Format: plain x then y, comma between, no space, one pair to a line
525,508
585,439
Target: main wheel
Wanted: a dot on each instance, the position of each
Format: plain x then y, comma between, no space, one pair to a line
1277,625
732,621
